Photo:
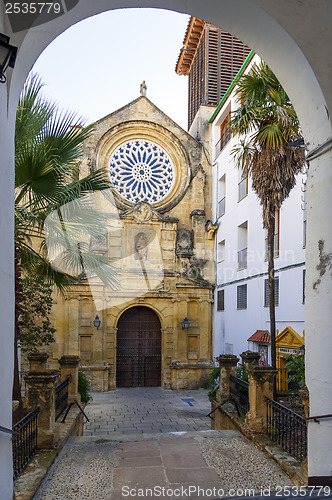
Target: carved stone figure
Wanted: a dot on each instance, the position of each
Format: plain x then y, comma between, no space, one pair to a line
141,247
140,213
184,243
143,88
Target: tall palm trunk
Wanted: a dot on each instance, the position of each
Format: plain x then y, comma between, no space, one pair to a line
270,250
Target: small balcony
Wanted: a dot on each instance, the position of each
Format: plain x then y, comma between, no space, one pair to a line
221,207
224,139
243,188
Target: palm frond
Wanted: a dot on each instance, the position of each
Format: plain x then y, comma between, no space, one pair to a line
49,148
267,120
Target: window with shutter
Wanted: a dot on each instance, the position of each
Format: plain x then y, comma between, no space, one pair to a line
221,300
267,293
242,297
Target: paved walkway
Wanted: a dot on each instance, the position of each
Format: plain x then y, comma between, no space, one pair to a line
140,443
147,410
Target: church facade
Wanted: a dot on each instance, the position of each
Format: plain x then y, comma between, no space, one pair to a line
156,320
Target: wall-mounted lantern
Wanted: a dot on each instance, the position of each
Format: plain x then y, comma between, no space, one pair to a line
185,323
7,56
97,322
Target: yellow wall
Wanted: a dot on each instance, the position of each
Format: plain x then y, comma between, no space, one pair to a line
172,281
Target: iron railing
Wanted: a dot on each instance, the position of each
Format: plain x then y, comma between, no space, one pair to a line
221,207
224,139
239,391
243,188
287,429
61,398
24,441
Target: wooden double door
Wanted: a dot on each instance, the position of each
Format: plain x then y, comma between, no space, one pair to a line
138,352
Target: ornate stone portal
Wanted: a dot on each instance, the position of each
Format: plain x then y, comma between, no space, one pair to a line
160,241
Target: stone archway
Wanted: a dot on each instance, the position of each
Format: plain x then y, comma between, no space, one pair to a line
138,349
294,39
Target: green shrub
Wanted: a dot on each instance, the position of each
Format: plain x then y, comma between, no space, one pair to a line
84,386
296,369
241,373
213,383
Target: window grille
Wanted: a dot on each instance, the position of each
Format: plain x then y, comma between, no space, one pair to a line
242,297
221,300
267,293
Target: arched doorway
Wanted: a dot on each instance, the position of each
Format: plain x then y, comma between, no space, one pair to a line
138,353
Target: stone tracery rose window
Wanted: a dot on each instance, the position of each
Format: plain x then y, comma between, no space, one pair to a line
141,170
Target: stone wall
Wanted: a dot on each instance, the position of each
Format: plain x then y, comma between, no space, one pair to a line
171,272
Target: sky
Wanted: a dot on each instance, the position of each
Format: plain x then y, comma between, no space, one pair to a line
96,66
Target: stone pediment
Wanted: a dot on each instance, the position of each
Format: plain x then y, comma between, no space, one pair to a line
142,109
142,213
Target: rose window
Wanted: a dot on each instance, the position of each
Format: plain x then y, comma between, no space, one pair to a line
140,170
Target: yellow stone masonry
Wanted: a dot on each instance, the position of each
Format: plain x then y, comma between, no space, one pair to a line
163,254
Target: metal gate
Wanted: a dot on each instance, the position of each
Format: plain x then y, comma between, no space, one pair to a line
138,353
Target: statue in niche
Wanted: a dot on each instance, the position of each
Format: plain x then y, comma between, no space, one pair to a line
141,247
184,243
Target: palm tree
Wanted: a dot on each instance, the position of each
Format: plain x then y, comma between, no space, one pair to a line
268,122
48,152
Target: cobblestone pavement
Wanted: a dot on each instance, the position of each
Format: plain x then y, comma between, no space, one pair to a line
147,410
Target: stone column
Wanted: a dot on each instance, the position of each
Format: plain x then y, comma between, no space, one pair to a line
250,358
304,393
37,361
73,328
41,393
318,341
227,367
305,400
69,368
261,380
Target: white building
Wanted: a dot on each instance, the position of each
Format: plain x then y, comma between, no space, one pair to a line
241,294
